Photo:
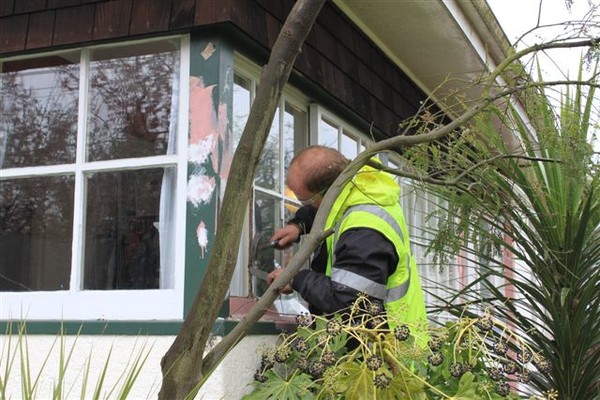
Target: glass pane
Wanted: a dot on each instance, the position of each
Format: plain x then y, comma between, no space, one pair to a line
285,256
266,219
349,146
122,246
133,101
328,134
267,175
294,132
241,107
36,232
38,111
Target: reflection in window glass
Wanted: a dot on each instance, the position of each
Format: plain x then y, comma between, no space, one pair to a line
132,108
328,134
122,244
38,111
268,172
266,220
36,233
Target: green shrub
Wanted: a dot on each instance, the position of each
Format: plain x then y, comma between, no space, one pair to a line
354,355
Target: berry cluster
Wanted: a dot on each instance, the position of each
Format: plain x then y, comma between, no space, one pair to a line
485,323
436,358
333,327
328,358
303,319
382,381
435,344
317,368
457,369
374,362
401,332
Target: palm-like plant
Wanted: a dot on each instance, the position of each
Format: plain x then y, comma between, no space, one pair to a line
540,203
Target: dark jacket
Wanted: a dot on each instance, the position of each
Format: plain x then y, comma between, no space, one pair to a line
363,251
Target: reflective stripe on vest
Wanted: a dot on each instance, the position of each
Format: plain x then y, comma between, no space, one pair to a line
358,282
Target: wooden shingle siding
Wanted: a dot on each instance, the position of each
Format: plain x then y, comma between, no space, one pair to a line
150,16
182,14
27,6
73,25
6,7
112,19
13,32
337,56
211,11
62,3
39,24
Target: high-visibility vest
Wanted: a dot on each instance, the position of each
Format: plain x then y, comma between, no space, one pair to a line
402,295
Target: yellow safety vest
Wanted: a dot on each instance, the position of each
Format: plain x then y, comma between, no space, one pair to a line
402,295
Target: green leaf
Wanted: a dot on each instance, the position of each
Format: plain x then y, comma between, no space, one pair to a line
467,389
356,381
275,387
403,386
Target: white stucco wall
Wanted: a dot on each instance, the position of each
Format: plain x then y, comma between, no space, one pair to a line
229,381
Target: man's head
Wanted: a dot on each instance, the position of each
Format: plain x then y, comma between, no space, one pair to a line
312,171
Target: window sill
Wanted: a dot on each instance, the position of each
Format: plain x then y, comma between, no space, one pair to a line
271,322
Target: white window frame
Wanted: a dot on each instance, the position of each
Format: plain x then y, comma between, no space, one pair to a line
79,304
318,113
248,70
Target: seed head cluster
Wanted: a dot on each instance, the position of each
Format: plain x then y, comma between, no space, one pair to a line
484,323
500,348
303,319
457,370
436,358
435,344
333,327
373,362
401,332
381,380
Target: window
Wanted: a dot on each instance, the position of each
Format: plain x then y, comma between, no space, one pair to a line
93,169
328,130
272,203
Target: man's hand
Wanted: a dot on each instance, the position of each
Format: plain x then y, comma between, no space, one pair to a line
286,236
287,289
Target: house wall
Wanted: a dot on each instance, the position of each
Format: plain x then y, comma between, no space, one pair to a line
337,57
120,354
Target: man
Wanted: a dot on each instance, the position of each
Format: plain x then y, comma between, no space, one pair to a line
368,253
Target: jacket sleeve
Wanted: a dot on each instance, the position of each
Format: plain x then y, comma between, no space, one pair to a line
362,251
304,219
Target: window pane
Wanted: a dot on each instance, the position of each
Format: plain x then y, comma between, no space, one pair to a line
38,111
348,147
241,107
133,99
122,246
266,219
294,132
328,134
267,175
36,232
